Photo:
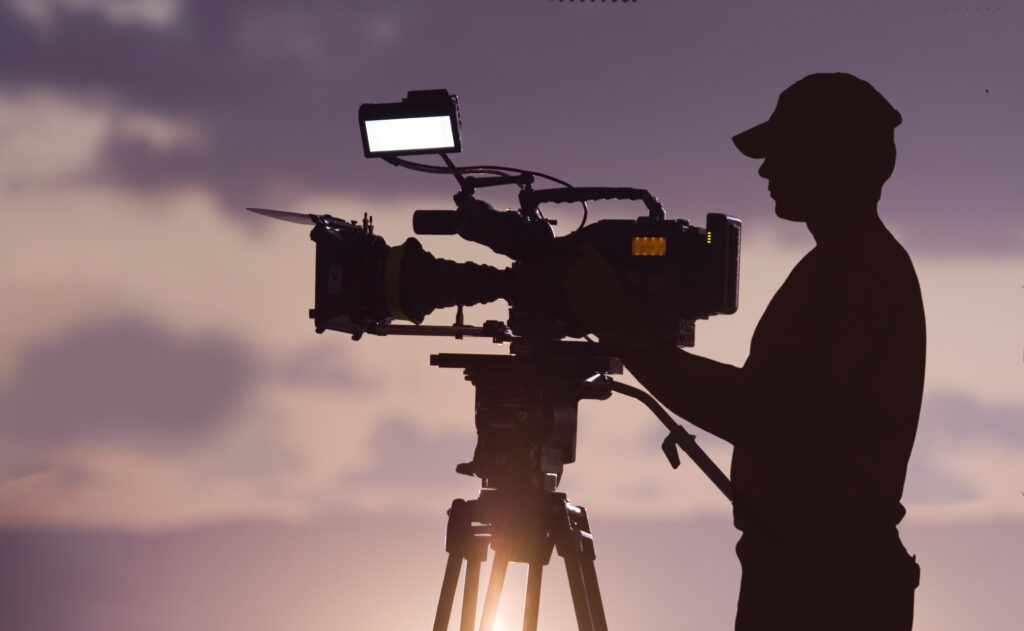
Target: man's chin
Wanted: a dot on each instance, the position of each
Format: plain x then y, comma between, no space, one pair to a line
789,212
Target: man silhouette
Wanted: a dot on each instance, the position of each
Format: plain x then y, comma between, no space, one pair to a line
823,413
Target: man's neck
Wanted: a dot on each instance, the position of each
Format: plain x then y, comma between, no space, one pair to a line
844,223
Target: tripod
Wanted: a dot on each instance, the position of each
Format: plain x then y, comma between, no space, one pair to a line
521,529
526,431
526,416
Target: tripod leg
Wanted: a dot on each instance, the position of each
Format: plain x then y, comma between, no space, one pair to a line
571,532
587,555
577,588
593,591
469,595
494,586
532,609
448,585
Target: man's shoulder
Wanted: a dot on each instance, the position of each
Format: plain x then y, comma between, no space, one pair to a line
869,253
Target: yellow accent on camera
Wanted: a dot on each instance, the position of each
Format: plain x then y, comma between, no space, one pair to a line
649,246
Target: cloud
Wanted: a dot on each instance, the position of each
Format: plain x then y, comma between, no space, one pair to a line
272,89
950,417
148,13
949,463
408,458
47,138
265,83
323,365
126,379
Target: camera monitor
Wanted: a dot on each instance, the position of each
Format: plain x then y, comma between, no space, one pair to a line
426,121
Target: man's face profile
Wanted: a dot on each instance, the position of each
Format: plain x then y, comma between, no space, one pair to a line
803,179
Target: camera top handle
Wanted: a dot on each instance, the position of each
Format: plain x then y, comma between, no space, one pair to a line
529,199
444,221
593,193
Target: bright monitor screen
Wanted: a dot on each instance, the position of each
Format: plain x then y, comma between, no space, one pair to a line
410,134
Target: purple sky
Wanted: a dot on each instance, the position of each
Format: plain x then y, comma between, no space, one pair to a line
271,89
159,378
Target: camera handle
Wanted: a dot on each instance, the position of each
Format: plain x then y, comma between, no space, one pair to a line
687,443
593,193
677,437
444,221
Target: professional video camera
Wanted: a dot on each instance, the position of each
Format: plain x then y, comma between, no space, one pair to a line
672,273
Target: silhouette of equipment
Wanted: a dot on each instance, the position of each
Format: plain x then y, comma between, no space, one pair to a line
526,420
526,402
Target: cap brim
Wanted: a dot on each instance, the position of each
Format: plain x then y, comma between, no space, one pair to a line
754,142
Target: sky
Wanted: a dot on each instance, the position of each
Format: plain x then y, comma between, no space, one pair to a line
173,431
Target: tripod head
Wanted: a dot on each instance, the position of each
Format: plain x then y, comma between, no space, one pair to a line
526,409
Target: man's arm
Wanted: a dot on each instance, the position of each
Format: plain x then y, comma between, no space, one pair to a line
702,391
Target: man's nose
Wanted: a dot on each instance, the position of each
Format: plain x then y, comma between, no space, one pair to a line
765,170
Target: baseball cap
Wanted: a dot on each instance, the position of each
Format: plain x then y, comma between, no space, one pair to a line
827,106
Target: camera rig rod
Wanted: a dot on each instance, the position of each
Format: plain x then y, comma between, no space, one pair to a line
497,331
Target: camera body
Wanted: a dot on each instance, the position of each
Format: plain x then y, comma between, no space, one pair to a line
672,273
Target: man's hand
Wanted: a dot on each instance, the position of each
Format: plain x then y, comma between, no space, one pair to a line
595,295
